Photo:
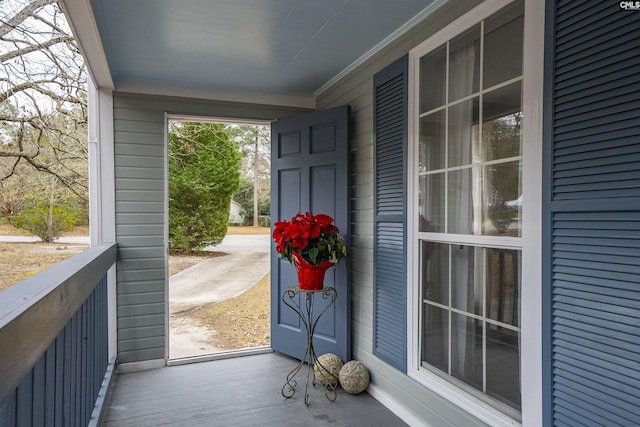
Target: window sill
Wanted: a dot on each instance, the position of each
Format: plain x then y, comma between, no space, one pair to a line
464,400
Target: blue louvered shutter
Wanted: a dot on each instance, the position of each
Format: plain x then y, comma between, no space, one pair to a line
592,223
390,255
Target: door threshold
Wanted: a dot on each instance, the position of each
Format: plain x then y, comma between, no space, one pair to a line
219,356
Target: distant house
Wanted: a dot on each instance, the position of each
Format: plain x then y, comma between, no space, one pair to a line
235,213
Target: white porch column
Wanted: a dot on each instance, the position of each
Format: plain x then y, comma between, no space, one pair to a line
102,206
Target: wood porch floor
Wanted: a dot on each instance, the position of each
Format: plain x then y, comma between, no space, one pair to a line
241,391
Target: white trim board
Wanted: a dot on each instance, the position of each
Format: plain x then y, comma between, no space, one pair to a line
396,407
141,366
146,88
102,213
165,232
213,119
83,26
531,315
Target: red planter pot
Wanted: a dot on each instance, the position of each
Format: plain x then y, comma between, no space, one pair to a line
310,277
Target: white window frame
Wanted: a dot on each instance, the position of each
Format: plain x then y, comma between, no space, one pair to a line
531,239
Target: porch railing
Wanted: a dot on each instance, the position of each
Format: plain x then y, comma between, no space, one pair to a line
54,353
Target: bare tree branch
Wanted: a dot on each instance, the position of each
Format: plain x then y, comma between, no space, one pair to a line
43,104
12,171
33,48
20,16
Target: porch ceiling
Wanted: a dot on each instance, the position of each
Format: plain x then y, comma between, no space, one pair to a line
275,51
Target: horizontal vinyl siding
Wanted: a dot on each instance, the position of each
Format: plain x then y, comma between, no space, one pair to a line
356,89
140,168
594,216
139,130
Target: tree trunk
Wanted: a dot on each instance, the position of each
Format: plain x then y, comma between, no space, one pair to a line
50,236
255,181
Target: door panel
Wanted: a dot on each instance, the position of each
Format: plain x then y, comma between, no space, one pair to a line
310,171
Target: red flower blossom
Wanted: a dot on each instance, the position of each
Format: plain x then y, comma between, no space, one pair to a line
314,237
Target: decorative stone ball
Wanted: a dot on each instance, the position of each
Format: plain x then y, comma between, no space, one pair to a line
327,368
354,377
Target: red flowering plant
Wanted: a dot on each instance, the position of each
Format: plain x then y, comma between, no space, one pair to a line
313,237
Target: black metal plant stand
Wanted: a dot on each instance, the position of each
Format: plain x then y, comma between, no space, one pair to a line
305,311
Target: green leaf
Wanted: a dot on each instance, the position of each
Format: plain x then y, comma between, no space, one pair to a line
313,254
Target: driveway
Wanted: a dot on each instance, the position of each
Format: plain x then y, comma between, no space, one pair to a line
212,280
216,279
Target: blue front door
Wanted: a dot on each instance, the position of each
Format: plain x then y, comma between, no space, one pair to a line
310,172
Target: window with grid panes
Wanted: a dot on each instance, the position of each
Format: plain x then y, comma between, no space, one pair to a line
469,208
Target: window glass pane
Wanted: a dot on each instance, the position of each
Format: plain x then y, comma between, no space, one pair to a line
435,272
460,209
502,123
466,349
432,79
466,278
463,133
503,366
432,202
503,45
502,201
503,286
435,341
432,142
464,64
